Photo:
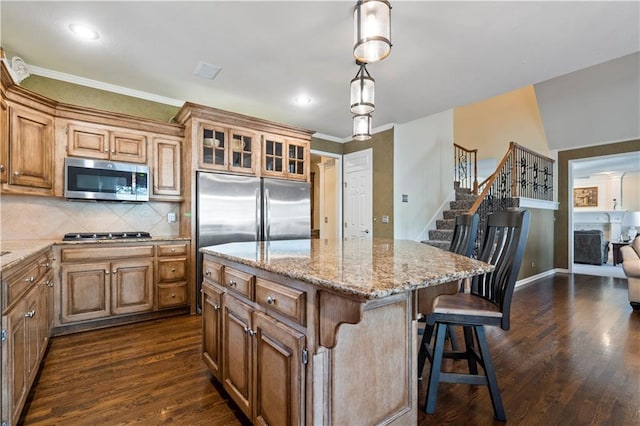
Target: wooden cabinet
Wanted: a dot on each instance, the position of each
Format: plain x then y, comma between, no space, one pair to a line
165,168
101,142
106,281
4,140
227,149
26,326
259,359
172,275
212,328
285,157
31,142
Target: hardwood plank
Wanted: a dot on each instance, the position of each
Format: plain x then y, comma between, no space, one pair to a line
572,356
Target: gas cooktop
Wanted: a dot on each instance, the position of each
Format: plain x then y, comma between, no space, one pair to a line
88,236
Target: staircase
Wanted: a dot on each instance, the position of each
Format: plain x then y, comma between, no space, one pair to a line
442,235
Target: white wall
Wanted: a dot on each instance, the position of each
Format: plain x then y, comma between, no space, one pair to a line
423,159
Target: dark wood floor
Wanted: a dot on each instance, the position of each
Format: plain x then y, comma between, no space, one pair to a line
572,357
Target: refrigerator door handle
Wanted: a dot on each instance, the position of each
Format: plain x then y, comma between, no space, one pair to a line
267,215
258,208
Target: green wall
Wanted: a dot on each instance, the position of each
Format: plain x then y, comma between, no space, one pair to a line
561,235
323,145
75,94
539,251
382,145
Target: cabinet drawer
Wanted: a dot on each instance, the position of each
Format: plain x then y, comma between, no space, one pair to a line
105,252
212,271
172,250
172,295
172,269
239,281
287,301
21,282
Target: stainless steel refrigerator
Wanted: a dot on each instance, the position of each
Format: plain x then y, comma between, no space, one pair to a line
233,208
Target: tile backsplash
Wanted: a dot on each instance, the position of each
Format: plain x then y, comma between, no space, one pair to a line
48,218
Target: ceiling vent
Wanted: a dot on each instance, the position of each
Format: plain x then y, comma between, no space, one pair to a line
207,71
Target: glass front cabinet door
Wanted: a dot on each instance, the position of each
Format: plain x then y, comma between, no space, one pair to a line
213,147
283,157
242,151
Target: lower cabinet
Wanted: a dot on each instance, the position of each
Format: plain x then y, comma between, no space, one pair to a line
263,365
26,326
212,328
97,290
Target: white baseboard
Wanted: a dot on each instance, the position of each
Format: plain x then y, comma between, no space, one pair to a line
533,278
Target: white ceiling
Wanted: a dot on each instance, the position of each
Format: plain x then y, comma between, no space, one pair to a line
610,164
445,54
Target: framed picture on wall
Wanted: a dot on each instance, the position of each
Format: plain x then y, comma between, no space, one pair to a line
585,197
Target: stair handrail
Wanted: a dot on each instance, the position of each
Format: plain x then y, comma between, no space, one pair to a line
464,158
522,173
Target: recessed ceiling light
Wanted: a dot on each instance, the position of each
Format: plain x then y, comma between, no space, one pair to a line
207,71
302,100
84,32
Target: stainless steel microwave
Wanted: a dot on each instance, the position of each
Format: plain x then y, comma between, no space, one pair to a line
105,180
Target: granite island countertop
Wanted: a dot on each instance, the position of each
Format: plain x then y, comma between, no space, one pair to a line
366,268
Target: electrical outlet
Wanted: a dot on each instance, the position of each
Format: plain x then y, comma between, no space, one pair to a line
385,219
171,217
405,198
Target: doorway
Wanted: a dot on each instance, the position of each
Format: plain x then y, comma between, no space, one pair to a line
326,189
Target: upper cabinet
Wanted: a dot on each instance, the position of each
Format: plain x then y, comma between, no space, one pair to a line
31,143
165,167
4,140
229,142
105,143
222,148
285,157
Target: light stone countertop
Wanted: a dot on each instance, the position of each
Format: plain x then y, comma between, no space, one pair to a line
20,250
367,268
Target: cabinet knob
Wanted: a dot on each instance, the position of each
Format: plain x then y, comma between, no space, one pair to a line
114,271
106,272
49,283
216,307
271,300
30,279
106,150
113,152
207,273
173,295
30,314
173,269
16,173
1,168
45,265
232,283
173,250
251,333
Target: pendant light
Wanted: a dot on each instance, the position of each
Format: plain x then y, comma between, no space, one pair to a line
362,127
362,91
372,30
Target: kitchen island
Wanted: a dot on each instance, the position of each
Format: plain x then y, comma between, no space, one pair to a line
321,331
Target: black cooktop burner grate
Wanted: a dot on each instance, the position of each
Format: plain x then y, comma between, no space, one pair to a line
88,236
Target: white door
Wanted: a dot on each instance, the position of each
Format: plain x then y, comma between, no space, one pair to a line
358,194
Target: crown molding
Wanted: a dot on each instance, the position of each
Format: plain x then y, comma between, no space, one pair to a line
69,78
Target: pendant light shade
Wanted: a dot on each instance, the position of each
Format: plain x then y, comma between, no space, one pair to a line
372,30
362,92
362,127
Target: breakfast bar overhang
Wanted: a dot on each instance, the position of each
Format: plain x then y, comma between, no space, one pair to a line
351,305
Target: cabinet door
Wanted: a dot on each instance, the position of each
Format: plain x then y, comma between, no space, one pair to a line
212,329
172,269
131,286
237,357
4,140
47,308
166,167
87,141
130,148
212,147
85,291
297,153
31,149
14,362
34,332
273,156
243,151
279,373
